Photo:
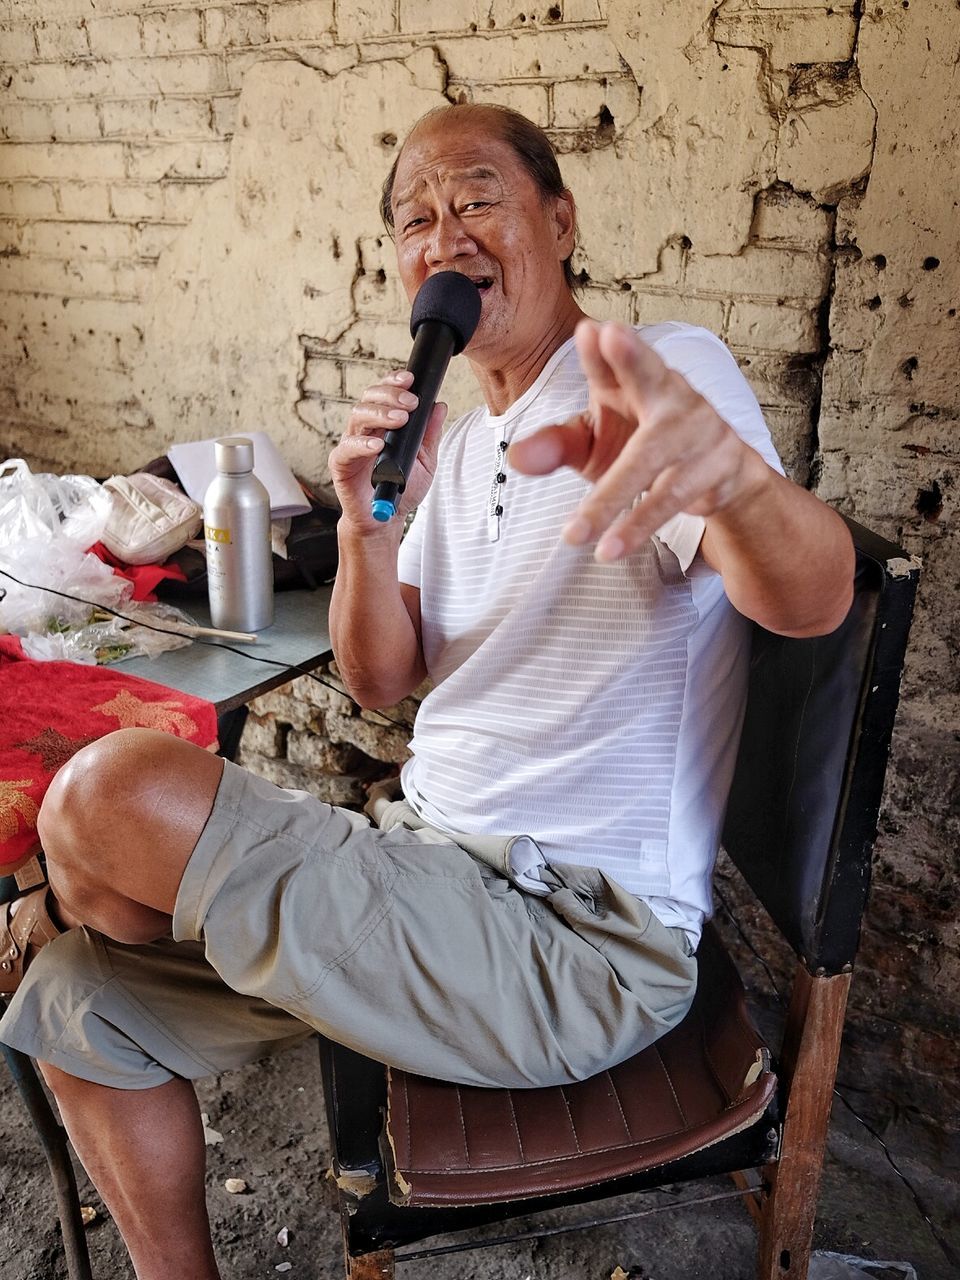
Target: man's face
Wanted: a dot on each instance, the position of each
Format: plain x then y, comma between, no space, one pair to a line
462,201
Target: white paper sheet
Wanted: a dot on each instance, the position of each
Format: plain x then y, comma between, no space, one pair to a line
194,462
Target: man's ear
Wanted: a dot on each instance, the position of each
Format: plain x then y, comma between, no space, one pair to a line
565,215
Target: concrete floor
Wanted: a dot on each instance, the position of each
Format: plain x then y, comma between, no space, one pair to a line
274,1137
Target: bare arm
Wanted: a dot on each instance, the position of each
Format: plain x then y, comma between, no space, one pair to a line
374,618
785,557
375,624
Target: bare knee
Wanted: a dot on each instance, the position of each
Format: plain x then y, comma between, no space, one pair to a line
71,803
94,793
121,803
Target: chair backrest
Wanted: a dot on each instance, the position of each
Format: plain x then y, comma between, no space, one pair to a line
803,807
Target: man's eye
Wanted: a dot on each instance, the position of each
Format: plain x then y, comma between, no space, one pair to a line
476,204
413,222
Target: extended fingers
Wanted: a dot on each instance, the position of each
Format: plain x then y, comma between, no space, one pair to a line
622,370
682,458
633,366
646,454
592,361
691,488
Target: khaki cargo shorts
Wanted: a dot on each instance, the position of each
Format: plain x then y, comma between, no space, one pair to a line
294,917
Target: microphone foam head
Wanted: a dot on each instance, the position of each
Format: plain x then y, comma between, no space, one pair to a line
451,299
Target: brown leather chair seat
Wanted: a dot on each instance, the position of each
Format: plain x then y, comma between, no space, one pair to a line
707,1079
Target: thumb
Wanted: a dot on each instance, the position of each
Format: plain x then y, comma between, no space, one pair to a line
566,444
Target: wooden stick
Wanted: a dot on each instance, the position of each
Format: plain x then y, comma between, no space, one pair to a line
245,637
182,628
192,629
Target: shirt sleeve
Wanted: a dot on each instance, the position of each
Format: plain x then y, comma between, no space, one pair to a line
409,558
707,364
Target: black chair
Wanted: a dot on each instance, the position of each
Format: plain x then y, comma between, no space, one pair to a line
413,1158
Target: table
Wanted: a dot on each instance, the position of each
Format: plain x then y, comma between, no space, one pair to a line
299,637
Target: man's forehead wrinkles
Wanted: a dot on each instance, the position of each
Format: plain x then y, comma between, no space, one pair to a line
444,174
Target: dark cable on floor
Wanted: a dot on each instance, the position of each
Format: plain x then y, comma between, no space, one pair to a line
216,644
948,1251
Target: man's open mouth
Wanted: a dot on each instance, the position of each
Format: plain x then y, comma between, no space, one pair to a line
483,283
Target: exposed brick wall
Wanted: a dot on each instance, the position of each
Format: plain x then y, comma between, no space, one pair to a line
311,735
119,116
189,245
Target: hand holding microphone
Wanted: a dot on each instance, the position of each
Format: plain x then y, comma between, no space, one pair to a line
445,315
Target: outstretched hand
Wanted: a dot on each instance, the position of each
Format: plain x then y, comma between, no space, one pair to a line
645,435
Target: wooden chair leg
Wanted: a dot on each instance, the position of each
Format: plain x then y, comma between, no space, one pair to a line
808,1069
370,1266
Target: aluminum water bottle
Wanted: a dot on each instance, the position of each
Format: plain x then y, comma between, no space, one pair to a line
236,527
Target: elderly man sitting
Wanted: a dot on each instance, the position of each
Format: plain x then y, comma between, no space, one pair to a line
588,548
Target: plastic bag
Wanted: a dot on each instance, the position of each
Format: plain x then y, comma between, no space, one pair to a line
64,567
844,1266
48,506
46,524
103,638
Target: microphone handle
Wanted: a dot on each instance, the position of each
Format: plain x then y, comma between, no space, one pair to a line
432,350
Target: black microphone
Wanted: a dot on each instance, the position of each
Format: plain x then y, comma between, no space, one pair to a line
446,311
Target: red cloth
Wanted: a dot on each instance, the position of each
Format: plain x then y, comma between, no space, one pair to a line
143,576
49,710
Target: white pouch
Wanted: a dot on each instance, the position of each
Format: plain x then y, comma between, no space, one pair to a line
150,518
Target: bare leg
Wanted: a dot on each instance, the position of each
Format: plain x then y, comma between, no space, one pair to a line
144,1150
118,824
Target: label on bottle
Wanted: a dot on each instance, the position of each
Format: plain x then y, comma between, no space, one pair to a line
213,534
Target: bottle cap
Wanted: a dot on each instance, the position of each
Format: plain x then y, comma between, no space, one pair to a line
234,455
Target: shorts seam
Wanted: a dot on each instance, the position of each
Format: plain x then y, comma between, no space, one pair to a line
337,961
55,1054
311,846
116,980
345,955
239,818
396,873
472,876
47,1050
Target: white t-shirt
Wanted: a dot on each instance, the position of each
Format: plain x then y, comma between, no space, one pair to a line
594,708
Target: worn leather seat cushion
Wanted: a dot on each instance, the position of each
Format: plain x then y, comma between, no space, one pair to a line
707,1079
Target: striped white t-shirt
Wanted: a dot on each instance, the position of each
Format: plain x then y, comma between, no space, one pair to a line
594,708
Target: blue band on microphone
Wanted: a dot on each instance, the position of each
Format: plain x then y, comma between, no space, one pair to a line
382,509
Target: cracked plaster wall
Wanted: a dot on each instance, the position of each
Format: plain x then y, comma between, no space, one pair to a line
189,246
